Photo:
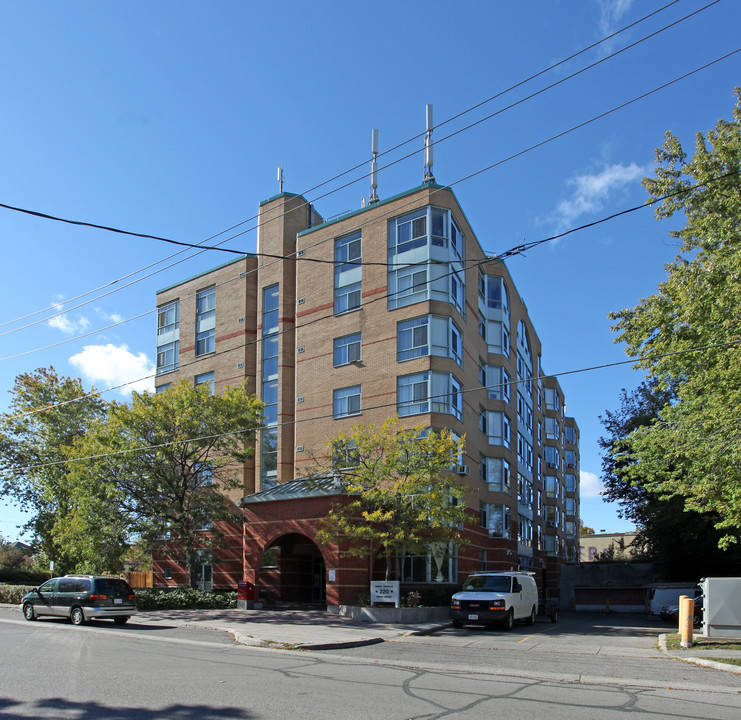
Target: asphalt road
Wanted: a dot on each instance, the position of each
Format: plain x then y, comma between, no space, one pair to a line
49,669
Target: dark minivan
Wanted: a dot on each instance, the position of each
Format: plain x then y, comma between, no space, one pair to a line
81,598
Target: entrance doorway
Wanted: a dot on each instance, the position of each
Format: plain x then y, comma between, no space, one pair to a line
293,570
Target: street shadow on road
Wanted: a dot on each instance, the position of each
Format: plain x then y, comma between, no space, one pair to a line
62,707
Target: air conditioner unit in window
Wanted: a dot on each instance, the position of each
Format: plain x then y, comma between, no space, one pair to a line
550,523
462,469
571,465
551,465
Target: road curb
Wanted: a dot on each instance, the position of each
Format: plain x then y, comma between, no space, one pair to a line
714,664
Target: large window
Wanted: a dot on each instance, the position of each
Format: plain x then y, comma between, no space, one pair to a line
206,321
429,392
168,318
570,459
493,293
347,273
496,380
495,473
269,367
205,379
496,425
570,433
438,565
551,486
552,459
425,253
552,429
429,335
167,357
524,452
346,349
496,518
346,401
570,482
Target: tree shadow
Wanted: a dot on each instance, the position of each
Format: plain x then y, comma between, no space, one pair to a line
63,707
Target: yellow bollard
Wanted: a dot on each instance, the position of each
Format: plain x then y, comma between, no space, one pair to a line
686,620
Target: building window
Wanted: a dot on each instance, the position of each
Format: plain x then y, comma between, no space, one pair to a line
570,482
429,335
425,253
346,349
346,401
551,486
429,392
206,321
552,459
497,382
493,293
167,357
495,473
497,428
552,430
525,532
344,455
570,506
161,388
570,459
570,433
168,318
205,379
438,565
496,518
347,273
524,452
269,389
552,401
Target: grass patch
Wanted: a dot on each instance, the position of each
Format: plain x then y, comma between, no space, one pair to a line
673,643
729,661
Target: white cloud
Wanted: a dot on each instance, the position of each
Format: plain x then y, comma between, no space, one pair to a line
611,12
69,325
590,486
593,191
111,365
109,317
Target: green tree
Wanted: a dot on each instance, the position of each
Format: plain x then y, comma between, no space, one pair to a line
687,334
167,463
47,413
683,544
400,498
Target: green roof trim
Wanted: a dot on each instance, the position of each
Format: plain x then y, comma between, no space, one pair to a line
319,486
398,196
206,272
280,195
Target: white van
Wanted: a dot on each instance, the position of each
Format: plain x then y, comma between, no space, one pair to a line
488,598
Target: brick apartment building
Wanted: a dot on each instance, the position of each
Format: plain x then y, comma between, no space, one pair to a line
405,315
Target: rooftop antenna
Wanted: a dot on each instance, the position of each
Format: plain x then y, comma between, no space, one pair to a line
373,199
429,177
280,178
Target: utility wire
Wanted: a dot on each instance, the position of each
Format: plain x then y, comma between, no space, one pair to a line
382,406
460,114
516,250
552,138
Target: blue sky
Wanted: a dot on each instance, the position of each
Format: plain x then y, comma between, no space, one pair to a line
171,118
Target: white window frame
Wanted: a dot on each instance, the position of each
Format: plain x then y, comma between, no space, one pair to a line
346,401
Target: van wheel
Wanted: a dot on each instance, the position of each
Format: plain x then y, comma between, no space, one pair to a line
457,623
28,612
531,618
509,621
77,617
121,619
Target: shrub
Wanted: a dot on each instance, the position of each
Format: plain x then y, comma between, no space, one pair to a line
14,593
16,576
184,599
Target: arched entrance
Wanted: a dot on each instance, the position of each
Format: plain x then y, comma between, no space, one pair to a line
293,570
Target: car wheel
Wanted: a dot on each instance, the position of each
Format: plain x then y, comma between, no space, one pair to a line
531,618
509,621
121,619
457,623
76,616
28,612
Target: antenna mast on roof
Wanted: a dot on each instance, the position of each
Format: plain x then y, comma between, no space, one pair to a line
429,177
373,199
280,178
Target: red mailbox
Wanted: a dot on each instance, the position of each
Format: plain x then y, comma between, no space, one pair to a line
245,591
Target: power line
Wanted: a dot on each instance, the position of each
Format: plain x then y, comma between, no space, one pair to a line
460,114
516,250
382,406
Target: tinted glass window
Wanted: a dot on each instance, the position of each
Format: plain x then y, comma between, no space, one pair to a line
113,586
48,586
483,583
82,585
67,585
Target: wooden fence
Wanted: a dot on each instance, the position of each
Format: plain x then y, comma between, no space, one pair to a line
141,579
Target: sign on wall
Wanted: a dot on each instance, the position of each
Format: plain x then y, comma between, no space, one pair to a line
385,591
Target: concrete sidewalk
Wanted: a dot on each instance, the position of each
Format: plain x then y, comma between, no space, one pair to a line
287,628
